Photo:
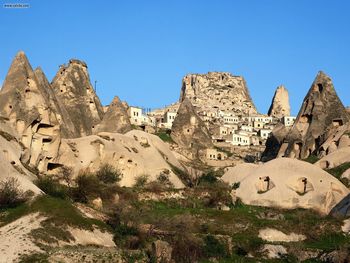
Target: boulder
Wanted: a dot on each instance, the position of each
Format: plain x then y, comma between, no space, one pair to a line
280,103
115,119
190,132
274,235
290,183
335,158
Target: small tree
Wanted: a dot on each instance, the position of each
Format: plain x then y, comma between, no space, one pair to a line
87,187
10,193
108,174
141,181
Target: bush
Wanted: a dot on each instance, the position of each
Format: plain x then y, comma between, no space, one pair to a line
164,180
10,193
87,187
213,248
208,178
52,187
108,174
236,185
186,248
141,181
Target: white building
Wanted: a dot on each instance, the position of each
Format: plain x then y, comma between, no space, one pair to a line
135,115
288,121
168,119
264,133
230,119
238,139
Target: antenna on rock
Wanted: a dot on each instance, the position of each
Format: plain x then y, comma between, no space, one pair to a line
95,85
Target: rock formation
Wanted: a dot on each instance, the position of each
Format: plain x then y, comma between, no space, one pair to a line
33,111
115,119
217,90
280,103
189,131
67,127
320,115
288,183
10,154
136,153
73,88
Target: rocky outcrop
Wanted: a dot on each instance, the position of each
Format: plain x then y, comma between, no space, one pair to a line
274,142
115,119
67,128
189,131
73,88
320,115
280,103
134,154
219,90
33,111
289,183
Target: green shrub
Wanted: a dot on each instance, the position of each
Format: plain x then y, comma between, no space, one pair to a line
108,174
52,187
141,181
213,248
10,193
87,187
165,136
208,178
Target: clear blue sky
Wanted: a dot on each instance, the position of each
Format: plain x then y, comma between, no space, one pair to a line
140,50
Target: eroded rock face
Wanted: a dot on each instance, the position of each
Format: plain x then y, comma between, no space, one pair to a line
135,153
115,119
189,131
280,103
321,113
289,183
33,111
217,89
73,88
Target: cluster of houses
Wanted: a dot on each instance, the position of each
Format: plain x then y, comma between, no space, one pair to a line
229,128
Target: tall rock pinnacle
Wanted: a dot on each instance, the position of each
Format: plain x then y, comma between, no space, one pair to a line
321,112
280,103
73,88
189,131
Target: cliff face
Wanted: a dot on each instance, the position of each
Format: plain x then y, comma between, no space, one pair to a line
217,89
321,114
73,88
280,103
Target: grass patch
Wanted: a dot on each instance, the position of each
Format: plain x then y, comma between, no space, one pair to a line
165,136
338,171
311,159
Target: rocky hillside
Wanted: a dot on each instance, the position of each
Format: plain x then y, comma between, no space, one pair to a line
218,89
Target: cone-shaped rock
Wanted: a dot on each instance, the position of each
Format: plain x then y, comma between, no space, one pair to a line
73,88
217,89
189,131
66,125
115,119
280,103
32,111
321,112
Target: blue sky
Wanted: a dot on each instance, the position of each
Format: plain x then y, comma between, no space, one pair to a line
140,50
